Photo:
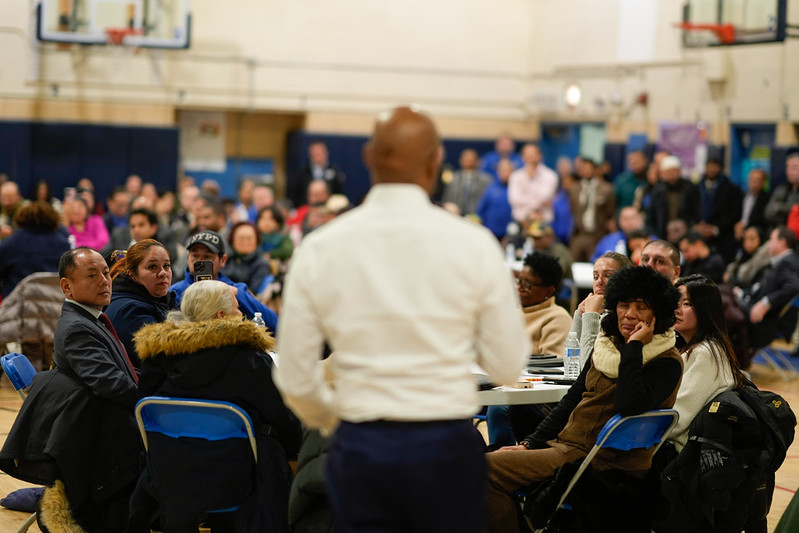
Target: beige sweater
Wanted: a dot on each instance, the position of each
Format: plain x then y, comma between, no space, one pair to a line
703,378
548,325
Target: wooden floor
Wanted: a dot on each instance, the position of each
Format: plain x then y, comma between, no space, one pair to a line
765,378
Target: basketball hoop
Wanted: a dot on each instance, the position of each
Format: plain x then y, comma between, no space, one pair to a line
725,33
116,36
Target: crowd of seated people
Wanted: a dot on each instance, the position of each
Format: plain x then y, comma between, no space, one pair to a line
736,252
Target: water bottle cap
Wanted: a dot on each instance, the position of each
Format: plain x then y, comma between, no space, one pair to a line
257,314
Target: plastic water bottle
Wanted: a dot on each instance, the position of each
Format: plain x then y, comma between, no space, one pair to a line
571,357
259,320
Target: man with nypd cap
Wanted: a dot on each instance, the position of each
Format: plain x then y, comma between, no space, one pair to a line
209,246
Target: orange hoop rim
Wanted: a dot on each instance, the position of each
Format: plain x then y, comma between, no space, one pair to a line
725,33
116,36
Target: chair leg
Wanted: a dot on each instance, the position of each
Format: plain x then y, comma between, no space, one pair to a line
773,359
27,524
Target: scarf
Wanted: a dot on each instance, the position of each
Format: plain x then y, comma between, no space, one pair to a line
606,356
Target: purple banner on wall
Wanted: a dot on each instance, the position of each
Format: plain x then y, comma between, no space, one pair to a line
686,141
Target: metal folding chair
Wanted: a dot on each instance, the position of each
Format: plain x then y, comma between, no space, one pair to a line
20,373
19,370
778,358
625,433
187,417
210,420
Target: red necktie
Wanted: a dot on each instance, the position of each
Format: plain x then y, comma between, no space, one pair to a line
110,327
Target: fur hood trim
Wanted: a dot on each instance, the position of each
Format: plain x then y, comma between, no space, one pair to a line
55,512
177,338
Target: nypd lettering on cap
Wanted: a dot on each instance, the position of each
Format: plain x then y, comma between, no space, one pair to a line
210,239
213,238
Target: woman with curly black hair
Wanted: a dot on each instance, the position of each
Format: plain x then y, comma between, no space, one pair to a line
634,368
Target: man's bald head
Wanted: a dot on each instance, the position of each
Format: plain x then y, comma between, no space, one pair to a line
404,148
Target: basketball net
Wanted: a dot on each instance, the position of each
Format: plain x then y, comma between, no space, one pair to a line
116,41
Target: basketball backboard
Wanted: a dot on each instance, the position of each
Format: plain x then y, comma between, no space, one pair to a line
727,22
138,23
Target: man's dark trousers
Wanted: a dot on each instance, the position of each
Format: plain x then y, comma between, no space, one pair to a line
407,477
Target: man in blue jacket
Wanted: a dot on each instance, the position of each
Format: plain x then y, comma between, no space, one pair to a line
209,246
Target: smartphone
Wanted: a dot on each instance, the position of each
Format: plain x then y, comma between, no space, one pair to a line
203,270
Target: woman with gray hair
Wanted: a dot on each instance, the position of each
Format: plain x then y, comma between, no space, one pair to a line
208,351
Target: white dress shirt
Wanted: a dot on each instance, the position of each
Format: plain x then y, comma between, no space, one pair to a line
532,193
408,297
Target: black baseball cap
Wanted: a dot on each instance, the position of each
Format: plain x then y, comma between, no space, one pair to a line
211,239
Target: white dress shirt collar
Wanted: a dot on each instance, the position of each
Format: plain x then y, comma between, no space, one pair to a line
92,310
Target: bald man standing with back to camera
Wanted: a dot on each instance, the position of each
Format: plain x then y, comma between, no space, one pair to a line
408,297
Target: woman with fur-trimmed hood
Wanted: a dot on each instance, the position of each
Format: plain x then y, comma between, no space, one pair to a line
207,351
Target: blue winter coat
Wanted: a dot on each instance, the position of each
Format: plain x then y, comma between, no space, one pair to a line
131,308
248,304
494,209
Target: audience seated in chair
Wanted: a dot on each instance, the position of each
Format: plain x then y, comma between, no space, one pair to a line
634,368
141,295
768,303
709,363
75,431
211,353
35,246
700,258
547,325
753,257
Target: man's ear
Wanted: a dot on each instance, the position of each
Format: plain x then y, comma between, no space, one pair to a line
65,288
222,261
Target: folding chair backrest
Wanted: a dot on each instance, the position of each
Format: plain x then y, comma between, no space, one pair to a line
19,370
626,433
203,419
640,431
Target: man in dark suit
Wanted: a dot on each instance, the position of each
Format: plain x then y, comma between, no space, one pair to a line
318,167
766,303
720,204
753,203
672,198
75,431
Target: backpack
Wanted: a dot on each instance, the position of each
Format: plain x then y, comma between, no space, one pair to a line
777,421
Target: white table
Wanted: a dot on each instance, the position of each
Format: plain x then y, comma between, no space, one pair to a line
539,393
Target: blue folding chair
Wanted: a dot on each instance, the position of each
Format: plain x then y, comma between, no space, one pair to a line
777,358
20,373
626,433
19,370
186,417
210,420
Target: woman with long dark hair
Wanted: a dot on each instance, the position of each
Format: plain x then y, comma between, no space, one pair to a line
710,365
140,291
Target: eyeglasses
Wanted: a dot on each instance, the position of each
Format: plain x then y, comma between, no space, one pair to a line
528,285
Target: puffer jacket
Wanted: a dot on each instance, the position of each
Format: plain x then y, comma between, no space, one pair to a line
30,313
